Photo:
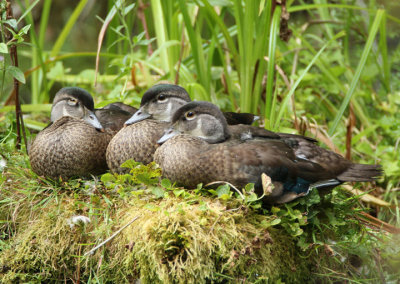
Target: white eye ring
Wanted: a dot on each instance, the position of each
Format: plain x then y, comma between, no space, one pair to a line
190,115
72,102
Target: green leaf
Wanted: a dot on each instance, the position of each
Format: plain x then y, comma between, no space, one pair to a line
128,9
275,222
12,23
223,190
275,210
249,187
107,178
158,192
129,164
146,178
252,197
16,73
166,183
179,192
24,30
3,48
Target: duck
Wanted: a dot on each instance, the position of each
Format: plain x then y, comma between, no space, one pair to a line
75,142
113,116
138,139
200,147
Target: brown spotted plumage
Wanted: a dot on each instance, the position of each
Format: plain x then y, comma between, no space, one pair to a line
69,147
138,140
201,148
75,143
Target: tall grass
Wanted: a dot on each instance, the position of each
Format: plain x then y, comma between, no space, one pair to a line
224,64
229,53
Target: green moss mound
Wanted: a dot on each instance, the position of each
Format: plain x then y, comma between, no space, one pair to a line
166,244
177,236
192,244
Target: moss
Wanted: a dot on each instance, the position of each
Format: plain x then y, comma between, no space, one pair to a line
179,237
172,241
192,244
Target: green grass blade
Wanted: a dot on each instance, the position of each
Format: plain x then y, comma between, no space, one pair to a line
271,65
224,30
28,10
292,90
161,34
324,16
384,53
28,108
261,46
111,36
394,19
246,80
323,66
238,13
44,18
374,29
67,28
195,44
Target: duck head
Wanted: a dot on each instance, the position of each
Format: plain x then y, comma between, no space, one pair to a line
75,102
200,119
160,102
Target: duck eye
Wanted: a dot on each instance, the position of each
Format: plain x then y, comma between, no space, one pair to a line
72,102
161,98
190,115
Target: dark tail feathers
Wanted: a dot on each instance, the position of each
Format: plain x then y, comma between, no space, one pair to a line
361,172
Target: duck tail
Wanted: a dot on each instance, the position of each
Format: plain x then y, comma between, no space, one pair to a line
361,172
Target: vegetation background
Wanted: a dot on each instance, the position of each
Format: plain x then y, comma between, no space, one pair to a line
327,69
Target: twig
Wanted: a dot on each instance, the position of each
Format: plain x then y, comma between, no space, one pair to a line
18,112
110,238
365,197
100,39
225,182
378,223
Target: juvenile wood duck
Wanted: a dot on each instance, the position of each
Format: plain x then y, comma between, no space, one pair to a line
138,140
207,150
74,143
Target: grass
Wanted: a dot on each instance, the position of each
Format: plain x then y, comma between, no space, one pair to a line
339,55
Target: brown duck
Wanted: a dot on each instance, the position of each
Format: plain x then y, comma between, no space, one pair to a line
113,116
74,143
138,140
206,150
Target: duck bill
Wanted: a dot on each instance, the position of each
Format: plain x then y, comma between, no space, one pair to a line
168,134
92,119
138,116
